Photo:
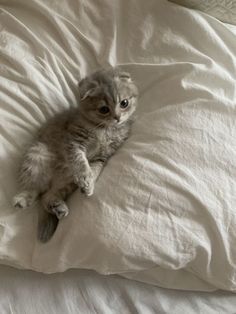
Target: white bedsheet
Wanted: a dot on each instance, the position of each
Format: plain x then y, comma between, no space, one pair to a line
171,220
86,292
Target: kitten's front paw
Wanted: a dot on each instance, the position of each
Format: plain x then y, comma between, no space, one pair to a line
86,183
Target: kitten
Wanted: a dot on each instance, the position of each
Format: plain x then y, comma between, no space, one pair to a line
73,147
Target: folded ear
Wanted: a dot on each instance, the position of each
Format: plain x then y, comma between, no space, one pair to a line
87,88
125,76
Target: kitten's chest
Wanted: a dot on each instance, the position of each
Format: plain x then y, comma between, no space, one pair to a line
104,142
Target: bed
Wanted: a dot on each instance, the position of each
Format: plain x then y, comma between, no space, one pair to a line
169,225
80,291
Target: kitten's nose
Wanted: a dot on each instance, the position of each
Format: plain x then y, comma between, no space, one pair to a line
117,118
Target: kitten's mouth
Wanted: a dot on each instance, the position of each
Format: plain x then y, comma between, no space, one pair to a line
111,123
117,122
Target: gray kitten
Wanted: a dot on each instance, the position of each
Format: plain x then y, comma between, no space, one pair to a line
73,147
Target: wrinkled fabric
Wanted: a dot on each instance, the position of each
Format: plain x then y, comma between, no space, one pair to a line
81,291
163,211
222,10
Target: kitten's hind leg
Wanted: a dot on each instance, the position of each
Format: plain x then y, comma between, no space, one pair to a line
59,208
35,174
53,212
25,199
53,199
54,205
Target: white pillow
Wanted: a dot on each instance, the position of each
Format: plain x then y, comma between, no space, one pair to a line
164,208
222,10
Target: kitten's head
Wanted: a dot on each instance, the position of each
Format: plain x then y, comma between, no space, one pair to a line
108,97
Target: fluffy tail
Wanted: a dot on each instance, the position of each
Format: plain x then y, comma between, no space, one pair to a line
47,227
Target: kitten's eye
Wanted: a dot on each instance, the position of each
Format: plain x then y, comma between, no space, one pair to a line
104,110
124,103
